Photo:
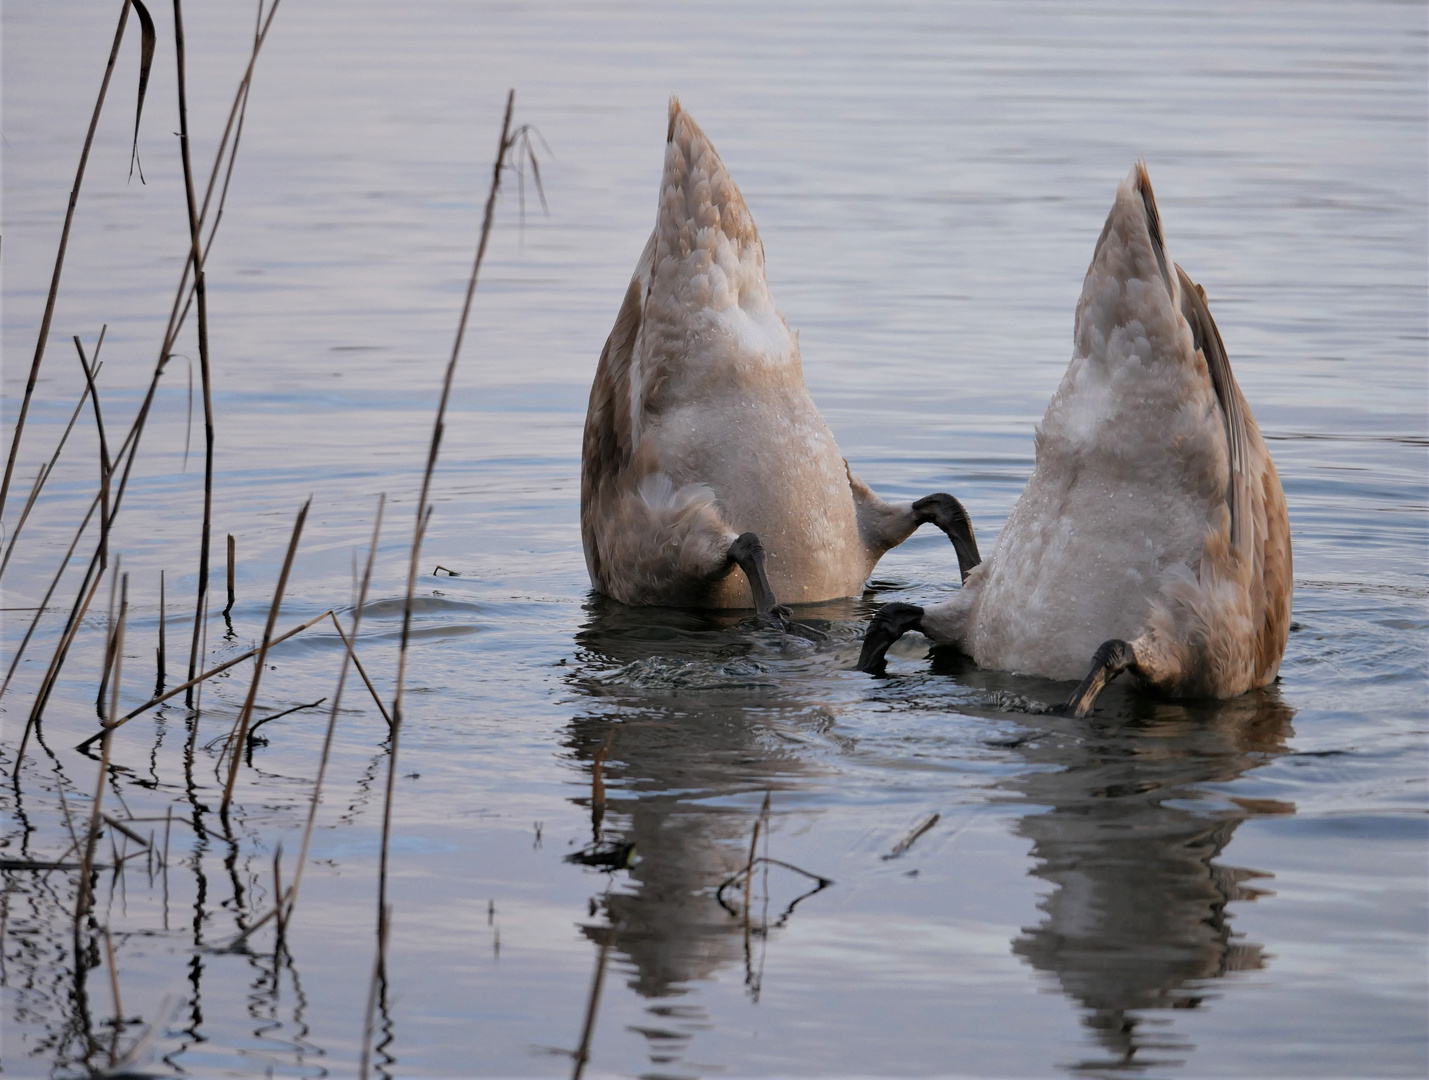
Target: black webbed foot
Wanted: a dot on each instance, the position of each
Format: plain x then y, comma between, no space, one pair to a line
779,617
889,623
1111,659
948,514
747,552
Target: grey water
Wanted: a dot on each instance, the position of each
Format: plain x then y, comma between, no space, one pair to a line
1165,889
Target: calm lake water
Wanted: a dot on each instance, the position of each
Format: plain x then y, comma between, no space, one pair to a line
1163,889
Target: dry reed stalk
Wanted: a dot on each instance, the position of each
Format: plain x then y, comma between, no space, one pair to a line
184,295
246,714
360,669
210,673
105,465
227,178
147,32
292,897
131,441
423,515
205,379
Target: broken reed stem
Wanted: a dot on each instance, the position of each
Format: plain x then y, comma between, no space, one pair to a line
210,673
291,899
241,729
437,429
358,663
232,560
911,838
48,315
201,294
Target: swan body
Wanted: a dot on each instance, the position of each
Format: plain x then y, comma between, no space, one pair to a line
1153,534
703,449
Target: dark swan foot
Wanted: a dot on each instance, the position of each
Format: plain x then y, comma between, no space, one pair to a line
779,617
747,552
948,514
890,622
1111,659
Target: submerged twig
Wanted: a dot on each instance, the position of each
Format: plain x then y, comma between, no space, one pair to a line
278,715
912,837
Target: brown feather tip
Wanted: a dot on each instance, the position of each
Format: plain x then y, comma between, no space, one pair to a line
1153,219
675,111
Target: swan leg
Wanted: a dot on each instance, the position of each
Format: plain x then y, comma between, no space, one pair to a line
1111,659
948,514
889,623
747,552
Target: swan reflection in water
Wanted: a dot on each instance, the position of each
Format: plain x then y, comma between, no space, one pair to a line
1132,809
690,731
1137,812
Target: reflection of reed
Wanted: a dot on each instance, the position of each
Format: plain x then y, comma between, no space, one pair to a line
1137,918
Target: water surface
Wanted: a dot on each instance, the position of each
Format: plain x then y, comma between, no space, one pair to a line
1163,889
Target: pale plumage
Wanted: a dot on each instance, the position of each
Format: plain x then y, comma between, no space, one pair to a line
703,449
1152,535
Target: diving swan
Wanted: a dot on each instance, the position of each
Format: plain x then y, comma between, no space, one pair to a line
1152,536
703,450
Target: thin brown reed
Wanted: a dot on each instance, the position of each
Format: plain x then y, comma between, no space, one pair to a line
131,441
147,29
418,531
360,669
232,562
291,899
205,380
246,714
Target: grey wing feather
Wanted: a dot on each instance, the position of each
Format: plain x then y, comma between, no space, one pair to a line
1208,341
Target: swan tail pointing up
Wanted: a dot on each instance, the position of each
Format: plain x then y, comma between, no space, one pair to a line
1219,617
